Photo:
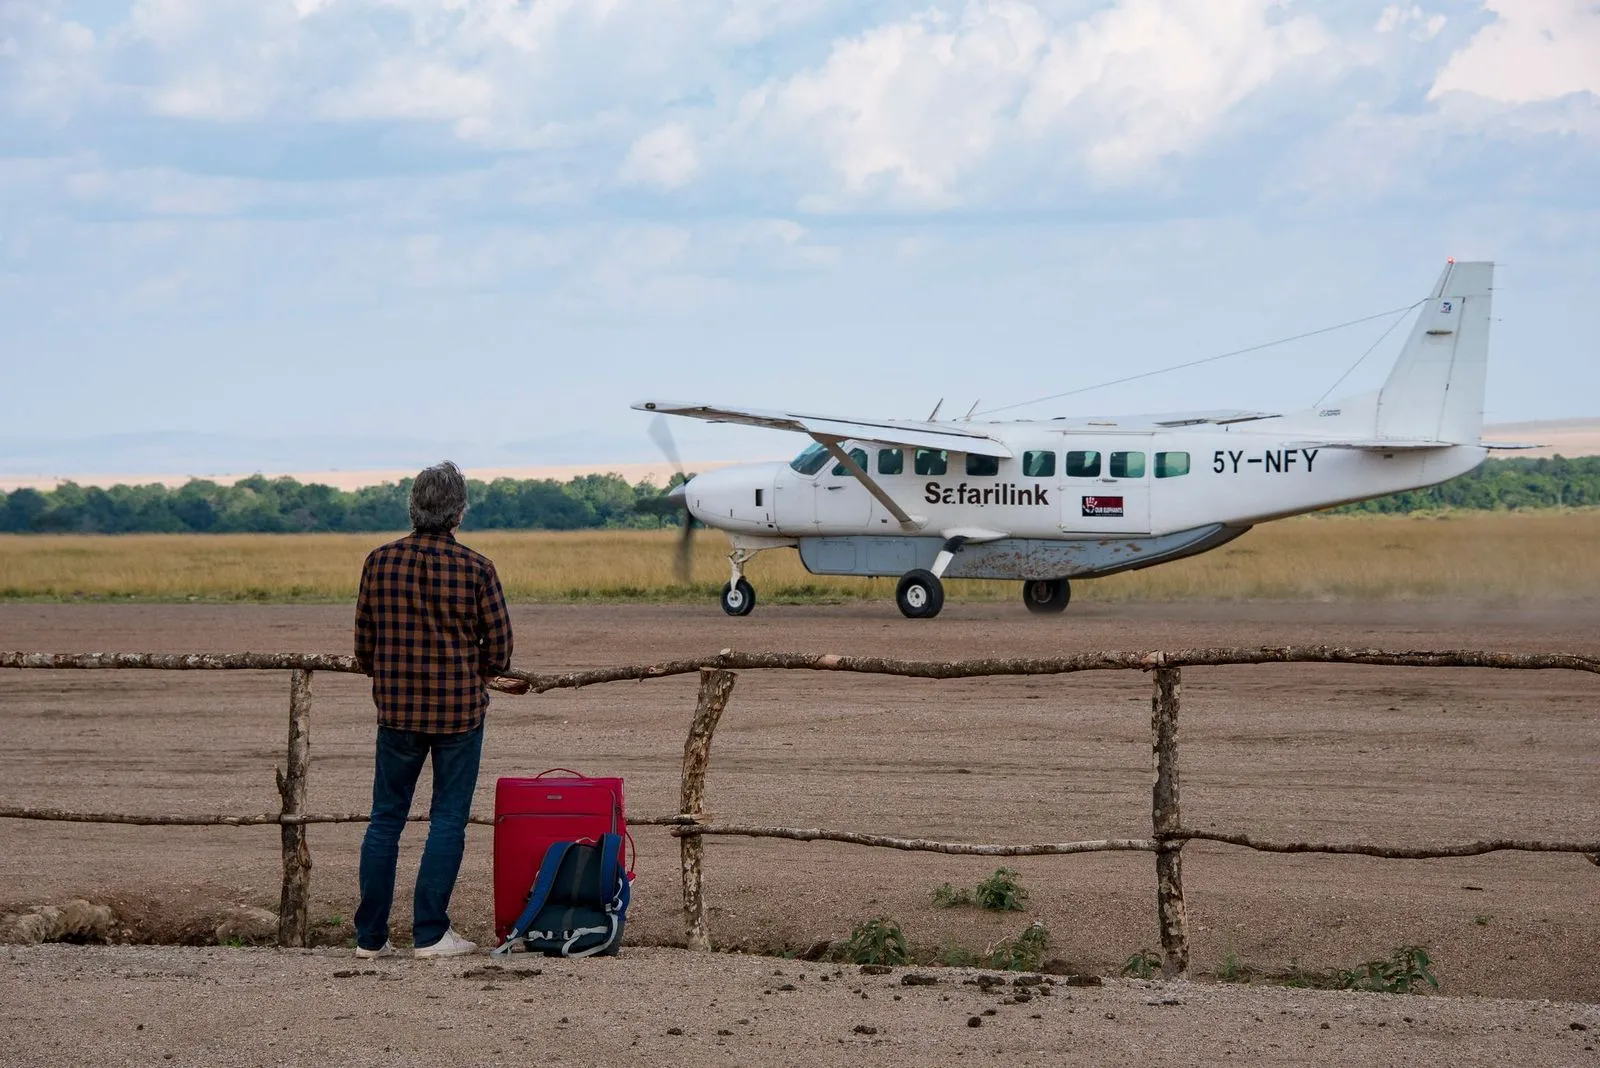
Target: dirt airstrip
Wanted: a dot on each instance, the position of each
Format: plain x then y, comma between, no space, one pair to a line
1291,752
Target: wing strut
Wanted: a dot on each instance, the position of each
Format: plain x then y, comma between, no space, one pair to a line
832,445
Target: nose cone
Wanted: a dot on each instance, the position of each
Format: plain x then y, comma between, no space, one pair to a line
679,494
730,498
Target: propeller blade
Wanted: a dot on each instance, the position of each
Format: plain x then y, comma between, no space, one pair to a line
685,558
661,434
674,499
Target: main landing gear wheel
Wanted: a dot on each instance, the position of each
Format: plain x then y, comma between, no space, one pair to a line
1046,597
920,594
738,598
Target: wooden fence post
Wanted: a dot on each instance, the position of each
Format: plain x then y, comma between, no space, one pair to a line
1165,820
295,895
715,687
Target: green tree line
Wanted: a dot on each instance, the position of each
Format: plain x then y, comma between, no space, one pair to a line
281,505
1502,484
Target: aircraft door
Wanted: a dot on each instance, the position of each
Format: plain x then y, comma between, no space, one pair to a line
794,504
843,505
1107,485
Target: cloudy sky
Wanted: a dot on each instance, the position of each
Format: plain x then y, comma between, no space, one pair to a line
496,223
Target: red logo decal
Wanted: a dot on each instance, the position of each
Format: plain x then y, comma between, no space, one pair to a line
1102,506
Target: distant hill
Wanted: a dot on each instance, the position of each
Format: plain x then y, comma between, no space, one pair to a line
1560,437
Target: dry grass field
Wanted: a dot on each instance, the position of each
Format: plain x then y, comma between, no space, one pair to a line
1482,556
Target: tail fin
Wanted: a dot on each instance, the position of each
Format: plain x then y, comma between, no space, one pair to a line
1435,392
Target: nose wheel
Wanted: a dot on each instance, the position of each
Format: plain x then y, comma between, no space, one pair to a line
738,598
1046,597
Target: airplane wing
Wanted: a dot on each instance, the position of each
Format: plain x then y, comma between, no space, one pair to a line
919,435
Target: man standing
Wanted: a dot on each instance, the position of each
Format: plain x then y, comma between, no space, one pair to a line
431,626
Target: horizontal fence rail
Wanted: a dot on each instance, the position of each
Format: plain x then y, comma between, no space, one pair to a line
516,681
717,677
57,815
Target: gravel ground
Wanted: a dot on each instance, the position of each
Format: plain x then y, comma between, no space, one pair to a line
1297,752
64,1005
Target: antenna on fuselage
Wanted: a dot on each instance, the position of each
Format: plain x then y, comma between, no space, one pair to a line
935,413
968,417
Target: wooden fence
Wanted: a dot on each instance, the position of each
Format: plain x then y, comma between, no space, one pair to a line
717,677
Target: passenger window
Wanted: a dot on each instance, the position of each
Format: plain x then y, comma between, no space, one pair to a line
891,461
1083,465
983,465
1038,464
1171,464
1127,465
859,456
932,461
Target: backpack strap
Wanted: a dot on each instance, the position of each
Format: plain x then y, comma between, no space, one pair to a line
537,897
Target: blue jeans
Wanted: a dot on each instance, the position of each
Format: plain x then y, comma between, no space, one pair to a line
455,775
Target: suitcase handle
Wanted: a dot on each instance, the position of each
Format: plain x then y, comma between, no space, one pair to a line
552,771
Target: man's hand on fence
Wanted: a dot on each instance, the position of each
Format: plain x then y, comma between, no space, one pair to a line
508,685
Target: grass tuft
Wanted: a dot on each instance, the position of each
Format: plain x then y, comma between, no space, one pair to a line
877,941
1001,892
1023,953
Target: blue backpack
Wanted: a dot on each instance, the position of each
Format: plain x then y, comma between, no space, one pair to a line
579,902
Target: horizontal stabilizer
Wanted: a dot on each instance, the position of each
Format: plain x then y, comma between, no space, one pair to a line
1376,445
920,435
1509,446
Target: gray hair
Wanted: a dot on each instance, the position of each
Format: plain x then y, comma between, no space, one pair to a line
438,498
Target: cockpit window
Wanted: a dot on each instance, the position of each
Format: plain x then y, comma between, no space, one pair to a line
932,461
811,461
859,456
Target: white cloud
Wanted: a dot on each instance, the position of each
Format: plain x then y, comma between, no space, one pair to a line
1535,50
910,110
1419,25
413,88
663,157
46,62
1147,78
823,105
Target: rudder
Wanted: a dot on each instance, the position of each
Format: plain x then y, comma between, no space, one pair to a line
1435,391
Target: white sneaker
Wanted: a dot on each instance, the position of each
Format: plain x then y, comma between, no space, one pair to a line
451,945
386,950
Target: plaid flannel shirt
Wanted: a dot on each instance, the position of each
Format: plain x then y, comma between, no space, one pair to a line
431,625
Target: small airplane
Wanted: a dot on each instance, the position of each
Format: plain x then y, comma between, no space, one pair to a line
1048,501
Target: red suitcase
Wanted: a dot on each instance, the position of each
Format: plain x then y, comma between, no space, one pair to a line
529,814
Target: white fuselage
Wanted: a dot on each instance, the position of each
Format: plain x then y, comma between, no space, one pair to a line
1100,483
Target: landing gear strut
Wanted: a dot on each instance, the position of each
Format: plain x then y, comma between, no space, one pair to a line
1046,597
738,596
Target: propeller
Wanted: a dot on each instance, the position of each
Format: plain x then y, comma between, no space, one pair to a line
674,500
